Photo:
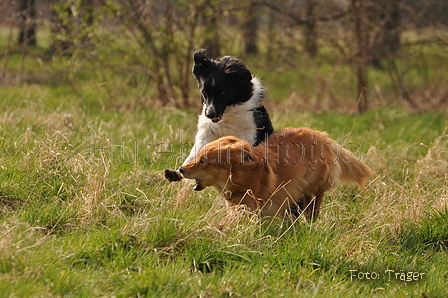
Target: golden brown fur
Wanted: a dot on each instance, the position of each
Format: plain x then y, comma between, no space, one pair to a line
288,172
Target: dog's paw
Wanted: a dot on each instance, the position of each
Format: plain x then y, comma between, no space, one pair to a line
172,175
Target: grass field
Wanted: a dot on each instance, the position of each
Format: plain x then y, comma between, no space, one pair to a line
85,210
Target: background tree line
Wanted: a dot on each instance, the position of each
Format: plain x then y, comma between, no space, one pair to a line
157,38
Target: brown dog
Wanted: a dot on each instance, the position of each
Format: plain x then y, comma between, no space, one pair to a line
287,173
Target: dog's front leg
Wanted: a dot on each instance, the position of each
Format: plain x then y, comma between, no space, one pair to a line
175,175
172,175
204,136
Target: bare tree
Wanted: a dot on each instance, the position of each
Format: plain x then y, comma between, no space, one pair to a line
310,31
361,58
162,36
211,13
385,32
391,20
307,15
386,19
27,12
251,29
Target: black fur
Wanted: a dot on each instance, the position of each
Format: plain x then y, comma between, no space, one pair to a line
224,82
264,125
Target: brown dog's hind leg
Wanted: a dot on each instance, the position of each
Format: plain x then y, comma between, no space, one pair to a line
312,206
172,175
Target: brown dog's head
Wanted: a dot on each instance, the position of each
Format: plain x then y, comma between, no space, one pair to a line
213,164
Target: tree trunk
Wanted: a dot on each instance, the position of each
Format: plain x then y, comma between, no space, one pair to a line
311,28
361,59
27,33
385,16
211,14
392,27
271,34
250,31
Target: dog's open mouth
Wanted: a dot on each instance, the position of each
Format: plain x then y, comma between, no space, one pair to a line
198,185
215,120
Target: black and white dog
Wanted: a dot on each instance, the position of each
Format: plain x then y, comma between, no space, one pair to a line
231,100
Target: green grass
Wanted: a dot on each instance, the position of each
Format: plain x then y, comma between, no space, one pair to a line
82,221
85,210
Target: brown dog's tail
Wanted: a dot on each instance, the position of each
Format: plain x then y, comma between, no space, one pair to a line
352,167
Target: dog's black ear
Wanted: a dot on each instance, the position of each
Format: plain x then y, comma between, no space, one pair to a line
201,62
235,66
199,57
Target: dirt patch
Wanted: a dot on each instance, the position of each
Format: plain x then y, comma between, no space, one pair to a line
10,204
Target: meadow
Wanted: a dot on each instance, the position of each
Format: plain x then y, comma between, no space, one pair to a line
86,212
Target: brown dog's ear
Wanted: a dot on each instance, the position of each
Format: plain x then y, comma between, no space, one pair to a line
226,141
233,150
240,151
236,67
247,150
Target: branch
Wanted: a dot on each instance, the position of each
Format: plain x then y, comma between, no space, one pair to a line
297,19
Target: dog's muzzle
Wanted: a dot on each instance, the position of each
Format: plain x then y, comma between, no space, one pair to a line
211,114
197,186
